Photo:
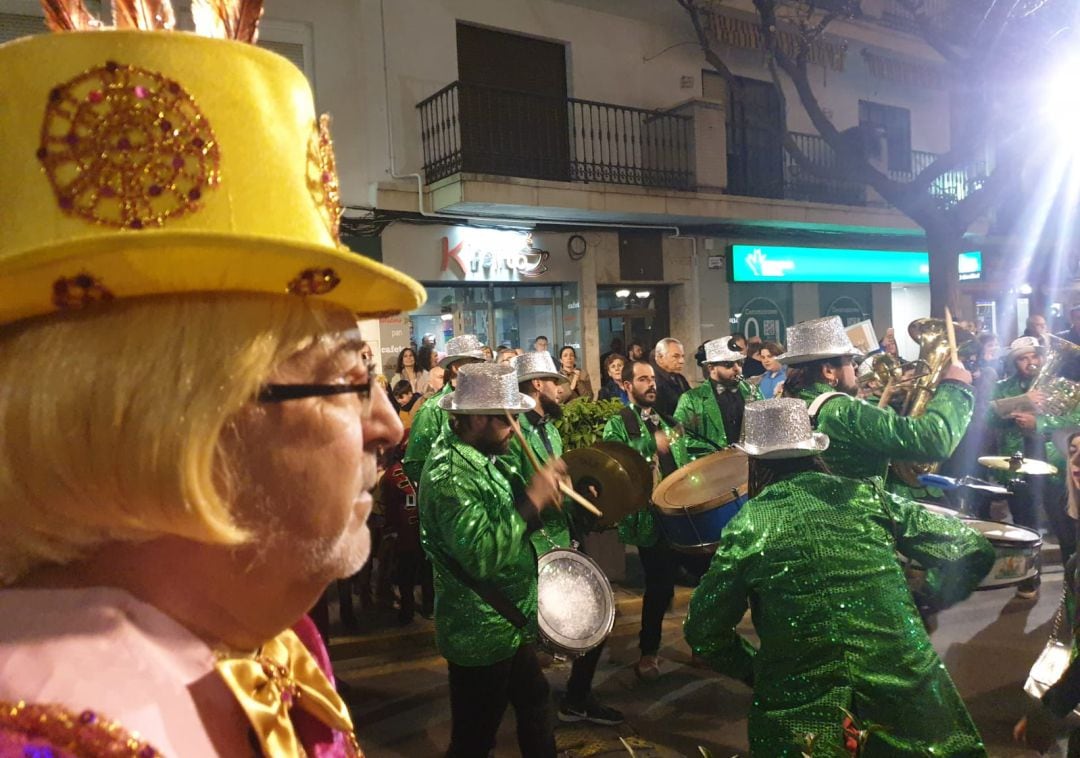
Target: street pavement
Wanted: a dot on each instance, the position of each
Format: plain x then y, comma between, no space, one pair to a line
398,693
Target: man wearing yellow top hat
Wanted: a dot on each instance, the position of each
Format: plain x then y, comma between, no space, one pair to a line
189,429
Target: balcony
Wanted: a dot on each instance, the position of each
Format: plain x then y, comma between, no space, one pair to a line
467,128
762,168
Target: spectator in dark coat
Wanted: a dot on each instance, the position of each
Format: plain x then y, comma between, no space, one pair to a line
670,383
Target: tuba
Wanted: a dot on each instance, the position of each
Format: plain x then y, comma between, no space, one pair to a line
934,357
1059,377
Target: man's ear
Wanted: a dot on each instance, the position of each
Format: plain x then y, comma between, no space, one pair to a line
537,385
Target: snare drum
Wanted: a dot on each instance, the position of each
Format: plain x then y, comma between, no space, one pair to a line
575,607
1017,550
695,503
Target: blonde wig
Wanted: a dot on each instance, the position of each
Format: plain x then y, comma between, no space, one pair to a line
112,418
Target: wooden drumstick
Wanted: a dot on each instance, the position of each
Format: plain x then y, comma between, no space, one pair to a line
950,332
567,490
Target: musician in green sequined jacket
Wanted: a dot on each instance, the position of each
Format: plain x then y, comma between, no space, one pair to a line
477,534
813,556
431,420
709,426
640,427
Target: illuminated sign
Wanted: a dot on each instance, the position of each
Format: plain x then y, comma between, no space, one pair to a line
494,254
761,263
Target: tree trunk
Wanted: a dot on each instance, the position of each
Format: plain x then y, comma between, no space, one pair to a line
944,247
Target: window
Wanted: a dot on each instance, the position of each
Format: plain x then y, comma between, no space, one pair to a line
896,123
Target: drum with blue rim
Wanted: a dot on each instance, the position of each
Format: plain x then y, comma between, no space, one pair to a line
694,504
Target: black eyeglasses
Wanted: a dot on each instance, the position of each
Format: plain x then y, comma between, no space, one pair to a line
279,393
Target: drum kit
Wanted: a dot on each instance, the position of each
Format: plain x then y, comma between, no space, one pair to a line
1017,547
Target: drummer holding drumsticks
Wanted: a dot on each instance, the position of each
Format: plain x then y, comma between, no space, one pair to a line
712,413
539,379
476,533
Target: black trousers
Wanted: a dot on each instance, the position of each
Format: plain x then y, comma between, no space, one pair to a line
582,670
479,696
413,568
661,565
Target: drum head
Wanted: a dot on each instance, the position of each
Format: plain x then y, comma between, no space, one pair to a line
708,482
1005,534
619,474
575,605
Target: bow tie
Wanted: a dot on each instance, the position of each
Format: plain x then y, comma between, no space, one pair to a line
284,674
648,414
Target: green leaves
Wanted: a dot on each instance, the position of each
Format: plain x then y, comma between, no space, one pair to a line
583,420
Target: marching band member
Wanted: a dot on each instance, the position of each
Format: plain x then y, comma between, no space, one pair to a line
190,429
431,420
477,535
813,555
864,437
539,379
655,439
1029,431
713,411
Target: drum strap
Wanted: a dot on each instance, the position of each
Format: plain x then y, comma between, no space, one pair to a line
819,401
489,593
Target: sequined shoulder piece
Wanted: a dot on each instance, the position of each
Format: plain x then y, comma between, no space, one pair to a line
29,730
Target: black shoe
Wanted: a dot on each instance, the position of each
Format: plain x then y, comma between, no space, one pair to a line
592,711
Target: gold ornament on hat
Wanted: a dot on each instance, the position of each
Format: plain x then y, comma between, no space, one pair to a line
126,147
322,177
314,281
72,293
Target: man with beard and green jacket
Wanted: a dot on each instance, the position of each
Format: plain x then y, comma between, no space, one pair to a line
539,379
477,534
657,440
866,438
431,420
712,413
1025,429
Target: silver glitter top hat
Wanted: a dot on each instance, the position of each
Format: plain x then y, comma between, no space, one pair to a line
486,389
716,351
816,339
1022,346
533,365
779,428
465,347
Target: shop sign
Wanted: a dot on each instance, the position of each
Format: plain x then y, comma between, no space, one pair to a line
762,317
764,263
848,309
493,255
395,333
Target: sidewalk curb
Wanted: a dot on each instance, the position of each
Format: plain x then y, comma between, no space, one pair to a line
405,642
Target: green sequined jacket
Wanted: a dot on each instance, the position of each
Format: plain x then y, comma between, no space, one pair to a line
467,513
699,412
519,471
1012,437
864,438
429,423
641,528
814,558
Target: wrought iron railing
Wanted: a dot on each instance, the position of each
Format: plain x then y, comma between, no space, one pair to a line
487,130
811,183
895,14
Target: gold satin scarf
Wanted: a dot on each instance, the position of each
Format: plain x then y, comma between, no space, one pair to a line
283,675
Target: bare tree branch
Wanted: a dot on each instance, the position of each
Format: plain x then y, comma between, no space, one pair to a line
938,41
690,6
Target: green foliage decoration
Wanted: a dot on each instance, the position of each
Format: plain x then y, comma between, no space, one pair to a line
583,420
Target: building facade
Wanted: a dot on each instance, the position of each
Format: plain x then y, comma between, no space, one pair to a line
575,169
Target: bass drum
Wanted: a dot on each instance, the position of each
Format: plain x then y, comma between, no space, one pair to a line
695,503
621,478
575,607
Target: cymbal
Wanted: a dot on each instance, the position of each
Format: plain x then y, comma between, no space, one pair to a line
620,475
1029,466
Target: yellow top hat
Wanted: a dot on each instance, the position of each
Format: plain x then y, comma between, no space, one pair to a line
139,163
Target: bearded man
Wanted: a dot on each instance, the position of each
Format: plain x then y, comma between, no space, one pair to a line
712,413
477,530
865,438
